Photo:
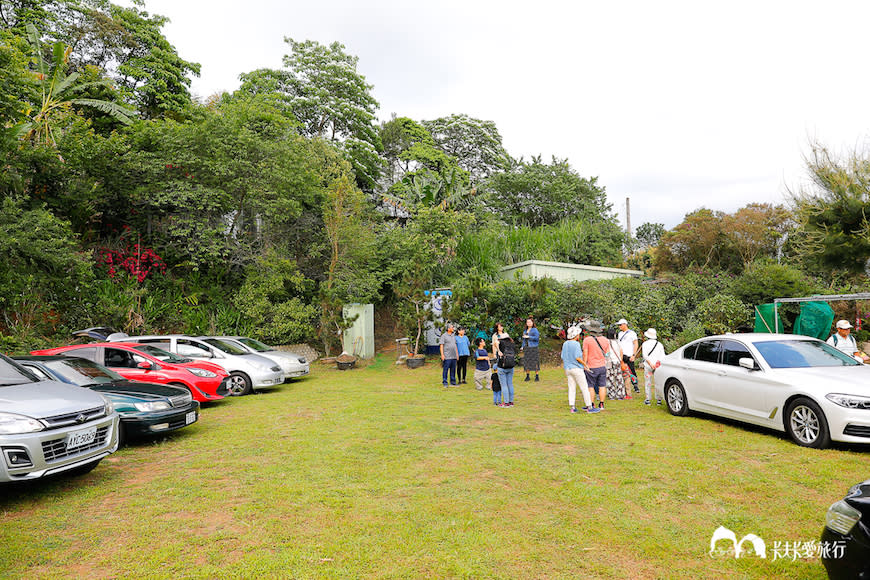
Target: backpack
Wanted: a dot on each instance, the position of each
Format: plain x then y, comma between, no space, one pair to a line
508,358
496,384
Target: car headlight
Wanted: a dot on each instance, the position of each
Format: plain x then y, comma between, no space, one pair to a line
108,407
153,406
275,369
12,424
201,372
849,401
841,517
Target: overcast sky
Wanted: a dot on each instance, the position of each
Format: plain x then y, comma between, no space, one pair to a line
675,105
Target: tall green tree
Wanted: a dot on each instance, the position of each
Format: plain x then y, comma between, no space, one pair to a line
535,193
476,145
834,212
321,88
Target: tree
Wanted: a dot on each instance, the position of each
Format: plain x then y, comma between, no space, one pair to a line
127,43
58,91
321,88
476,145
700,240
649,234
834,212
536,194
755,230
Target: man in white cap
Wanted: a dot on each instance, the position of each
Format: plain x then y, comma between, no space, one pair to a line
574,365
843,341
628,343
653,353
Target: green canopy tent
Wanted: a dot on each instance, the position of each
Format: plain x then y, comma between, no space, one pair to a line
816,315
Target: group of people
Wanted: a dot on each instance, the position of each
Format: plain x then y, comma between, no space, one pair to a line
604,365
496,371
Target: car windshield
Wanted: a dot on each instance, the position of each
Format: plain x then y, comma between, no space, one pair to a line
83,372
793,354
161,354
12,373
255,344
227,347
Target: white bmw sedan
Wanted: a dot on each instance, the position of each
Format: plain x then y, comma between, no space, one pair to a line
790,383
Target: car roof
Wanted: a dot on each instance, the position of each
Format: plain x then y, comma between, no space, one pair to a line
42,357
162,336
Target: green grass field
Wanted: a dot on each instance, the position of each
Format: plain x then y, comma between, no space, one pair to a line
380,472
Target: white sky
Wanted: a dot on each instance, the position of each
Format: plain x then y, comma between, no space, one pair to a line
676,105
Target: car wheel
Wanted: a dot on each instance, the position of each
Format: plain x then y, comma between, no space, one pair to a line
675,397
806,424
239,384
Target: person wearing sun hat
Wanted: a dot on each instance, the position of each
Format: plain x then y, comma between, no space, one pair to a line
843,341
573,363
595,349
628,343
653,352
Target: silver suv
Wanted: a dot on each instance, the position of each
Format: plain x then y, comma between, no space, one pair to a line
47,427
294,366
247,371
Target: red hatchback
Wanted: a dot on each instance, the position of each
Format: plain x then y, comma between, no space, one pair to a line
142,362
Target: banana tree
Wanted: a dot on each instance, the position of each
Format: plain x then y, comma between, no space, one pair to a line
59,90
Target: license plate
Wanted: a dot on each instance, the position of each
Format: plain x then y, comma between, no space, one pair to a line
190,418
79,438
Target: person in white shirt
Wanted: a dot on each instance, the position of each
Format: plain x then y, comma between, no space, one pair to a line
653,352
628,345
843,341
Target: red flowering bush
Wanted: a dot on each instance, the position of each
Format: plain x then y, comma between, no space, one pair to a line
136,260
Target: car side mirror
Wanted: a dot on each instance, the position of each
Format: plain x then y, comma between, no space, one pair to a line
144,365
748,363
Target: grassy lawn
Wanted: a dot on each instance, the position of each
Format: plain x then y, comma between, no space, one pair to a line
380,472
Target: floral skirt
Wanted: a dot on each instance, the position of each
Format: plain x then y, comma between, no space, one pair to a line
615,380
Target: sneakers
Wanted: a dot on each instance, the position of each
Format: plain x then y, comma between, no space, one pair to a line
527,379
511,404
574,410
636,389
592,410
600,405
646,402
504,405
537,378
627,397
659,402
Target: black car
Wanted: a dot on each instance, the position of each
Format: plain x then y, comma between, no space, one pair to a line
846,537
144,408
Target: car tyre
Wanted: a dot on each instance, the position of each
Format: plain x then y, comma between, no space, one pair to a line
239,384
806,424
675,398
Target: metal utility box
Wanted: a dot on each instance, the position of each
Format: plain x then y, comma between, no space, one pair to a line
359,339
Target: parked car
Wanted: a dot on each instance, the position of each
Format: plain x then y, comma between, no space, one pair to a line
149,364
292,364
48,427
790,383
846,536
145,408
247,371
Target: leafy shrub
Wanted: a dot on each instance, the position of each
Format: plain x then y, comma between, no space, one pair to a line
763,281
723,313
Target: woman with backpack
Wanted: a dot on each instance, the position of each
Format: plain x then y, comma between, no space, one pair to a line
506,355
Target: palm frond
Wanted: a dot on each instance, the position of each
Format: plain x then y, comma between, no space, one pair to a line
116,111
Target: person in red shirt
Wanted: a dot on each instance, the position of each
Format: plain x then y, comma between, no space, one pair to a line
595,349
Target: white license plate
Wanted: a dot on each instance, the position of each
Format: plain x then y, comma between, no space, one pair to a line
190,418
79,438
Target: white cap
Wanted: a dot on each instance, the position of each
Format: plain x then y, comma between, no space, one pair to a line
843,324
622,321
573,332
651,334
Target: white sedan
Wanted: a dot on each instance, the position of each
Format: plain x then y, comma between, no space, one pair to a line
786,382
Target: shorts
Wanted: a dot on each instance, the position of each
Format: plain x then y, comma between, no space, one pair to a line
597,378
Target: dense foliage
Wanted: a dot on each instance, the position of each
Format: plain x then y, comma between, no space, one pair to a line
124,202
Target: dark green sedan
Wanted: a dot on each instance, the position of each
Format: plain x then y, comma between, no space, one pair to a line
145,408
